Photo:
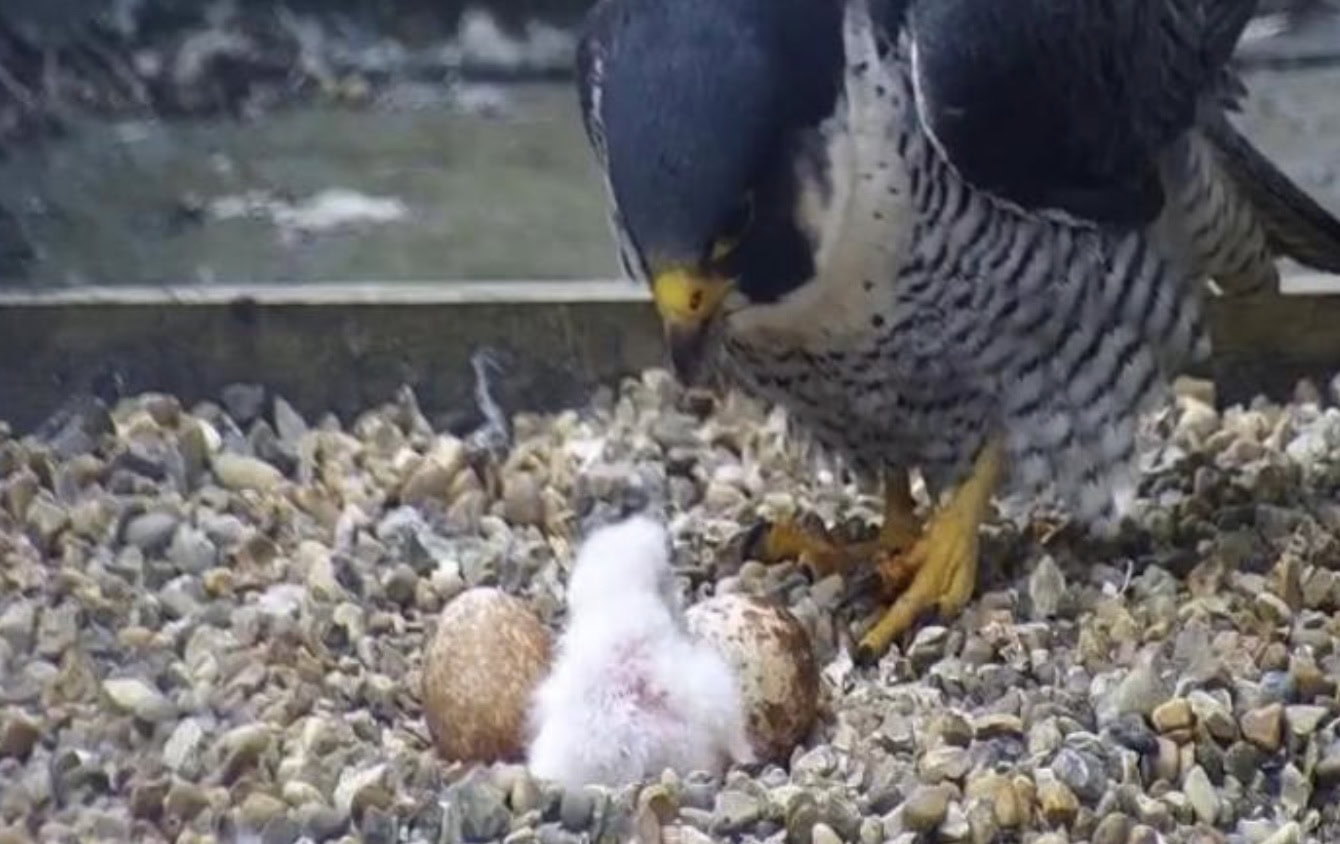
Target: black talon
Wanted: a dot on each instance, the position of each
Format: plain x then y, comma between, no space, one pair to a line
810,573
864,657
750,548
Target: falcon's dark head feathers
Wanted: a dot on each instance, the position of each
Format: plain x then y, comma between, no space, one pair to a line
696,107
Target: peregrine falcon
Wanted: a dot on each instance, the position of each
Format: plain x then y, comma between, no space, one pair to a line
964,237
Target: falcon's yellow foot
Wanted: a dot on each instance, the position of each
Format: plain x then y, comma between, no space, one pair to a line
822,555
940,569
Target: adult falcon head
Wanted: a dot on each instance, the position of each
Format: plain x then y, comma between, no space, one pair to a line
963,236
696,109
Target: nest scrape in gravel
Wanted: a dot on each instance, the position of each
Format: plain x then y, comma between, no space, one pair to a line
212,624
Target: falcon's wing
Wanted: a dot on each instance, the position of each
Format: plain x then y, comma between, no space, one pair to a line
1064,104
597,31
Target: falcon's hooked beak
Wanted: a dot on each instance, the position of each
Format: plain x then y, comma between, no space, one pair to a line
688,301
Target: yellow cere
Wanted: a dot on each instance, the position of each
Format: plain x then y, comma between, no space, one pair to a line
685,297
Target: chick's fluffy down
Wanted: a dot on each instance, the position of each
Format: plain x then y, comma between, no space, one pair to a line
631,693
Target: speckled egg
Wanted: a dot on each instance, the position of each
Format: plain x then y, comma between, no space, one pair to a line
774,660
486,658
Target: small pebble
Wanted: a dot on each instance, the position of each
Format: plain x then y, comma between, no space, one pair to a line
1264,727
1113,829
1084,773
1201,793
1058,803
239,472
1214,716
944,763
139,699
926,807
1175,714
1289,833
1046,588
1305,719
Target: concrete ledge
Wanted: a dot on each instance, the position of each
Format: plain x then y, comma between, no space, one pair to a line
322,294
340,348
326,348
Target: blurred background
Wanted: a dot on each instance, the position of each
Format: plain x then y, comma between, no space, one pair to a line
257,141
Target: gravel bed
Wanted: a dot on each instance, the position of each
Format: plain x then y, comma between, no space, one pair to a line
212,622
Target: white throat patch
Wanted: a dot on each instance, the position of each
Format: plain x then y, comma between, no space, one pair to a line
860,215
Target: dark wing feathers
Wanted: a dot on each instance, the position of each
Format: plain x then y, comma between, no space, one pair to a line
591,48
1295,224
1066,103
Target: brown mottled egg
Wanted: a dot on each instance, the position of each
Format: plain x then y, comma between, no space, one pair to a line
774,660
489,653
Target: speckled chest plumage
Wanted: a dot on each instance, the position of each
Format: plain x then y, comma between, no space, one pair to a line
942,315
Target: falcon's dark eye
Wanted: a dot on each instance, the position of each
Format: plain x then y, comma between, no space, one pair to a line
736,225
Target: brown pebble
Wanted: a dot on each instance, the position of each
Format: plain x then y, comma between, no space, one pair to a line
258,808
1058,803
146,798
951,728
997,791
522,502
1172,715
14,835
1264,726
998,725
18,734
1010,809
1310,680
1113,829
926,807
660,801
1275,657
185,800
434,476
1214,716
1026,789
1273,609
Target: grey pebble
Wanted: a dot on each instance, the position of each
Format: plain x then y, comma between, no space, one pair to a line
1114,828
735,811
575,809
554,834
191,550
244,402
321,822
289,424
378,827
1131,730
944,763
1295,790
281,829
1139,692
151,532
1275,687
1084,773
1243,761
1201,794
1046,588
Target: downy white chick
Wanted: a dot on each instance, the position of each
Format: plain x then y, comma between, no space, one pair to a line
631,693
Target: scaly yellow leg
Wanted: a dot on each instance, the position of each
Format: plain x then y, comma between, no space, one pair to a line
772,543
940,569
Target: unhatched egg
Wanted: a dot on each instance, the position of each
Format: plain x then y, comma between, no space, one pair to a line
488,654
774,660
